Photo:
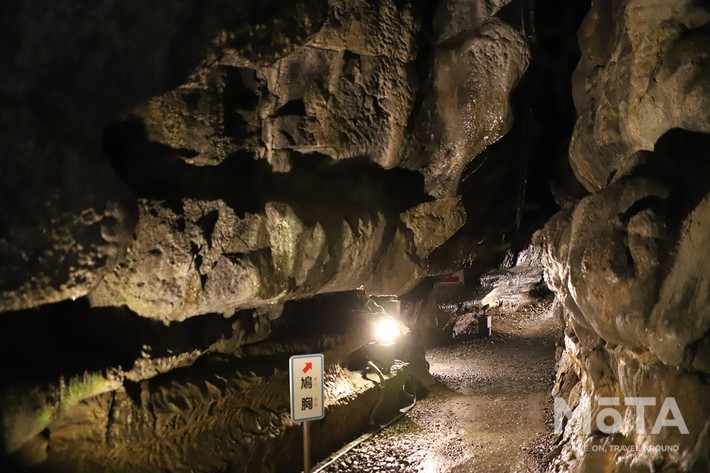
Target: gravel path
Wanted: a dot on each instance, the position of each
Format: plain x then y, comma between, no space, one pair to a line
488,413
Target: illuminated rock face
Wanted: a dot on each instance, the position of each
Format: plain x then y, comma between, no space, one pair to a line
318,142
192,170
643,71
470,81
220,262
309,153
629,263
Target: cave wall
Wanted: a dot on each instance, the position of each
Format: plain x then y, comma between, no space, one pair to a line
318,157
239,198
629,262
178,176
188,170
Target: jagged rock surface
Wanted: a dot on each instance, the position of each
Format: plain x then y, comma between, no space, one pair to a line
204,158
643,71
450,311
203,258
469,108
253,129
50,380
345,96
629,263
67,72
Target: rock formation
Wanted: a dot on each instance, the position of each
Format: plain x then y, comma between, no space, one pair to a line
195,190
225,166
628,263
187,172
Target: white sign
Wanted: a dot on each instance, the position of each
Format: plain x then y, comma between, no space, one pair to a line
307,390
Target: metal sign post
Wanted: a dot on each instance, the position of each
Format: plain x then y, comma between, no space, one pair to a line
306,447
307,392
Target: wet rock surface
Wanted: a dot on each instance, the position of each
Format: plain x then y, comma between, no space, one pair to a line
471,78
625,262
68,72
183,171
50,380
489,410
448,312
219,262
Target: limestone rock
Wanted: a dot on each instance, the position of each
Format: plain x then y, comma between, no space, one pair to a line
382,28
57,248
246,143
221,409
28,411
274,152
66,73
345,94
161,274
50,381
472,83
512,287
257,34
200,257
613,259
456,18
258,136
432,223
420,231
685,293
339,103
624,257
193,120
629,268
643,72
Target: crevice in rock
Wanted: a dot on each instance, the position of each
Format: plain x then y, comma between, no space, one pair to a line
295,107
241,90
208,222
240,97
245,183
110,418
70,338
648,202
357,181
327,313
154,171
680,159
420,73
534,151
133,391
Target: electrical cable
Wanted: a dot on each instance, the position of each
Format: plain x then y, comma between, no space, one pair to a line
381,387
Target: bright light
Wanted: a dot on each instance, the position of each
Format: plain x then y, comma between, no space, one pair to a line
387,330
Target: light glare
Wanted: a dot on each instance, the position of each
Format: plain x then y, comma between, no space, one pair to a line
387,330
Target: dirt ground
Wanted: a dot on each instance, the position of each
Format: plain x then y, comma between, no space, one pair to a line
489,412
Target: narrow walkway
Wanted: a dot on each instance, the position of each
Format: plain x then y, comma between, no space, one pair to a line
487,414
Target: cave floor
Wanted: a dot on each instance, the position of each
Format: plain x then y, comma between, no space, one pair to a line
489,411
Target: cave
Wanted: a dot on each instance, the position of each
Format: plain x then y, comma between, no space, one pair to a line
337,236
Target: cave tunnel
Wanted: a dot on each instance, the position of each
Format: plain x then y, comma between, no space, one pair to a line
434,236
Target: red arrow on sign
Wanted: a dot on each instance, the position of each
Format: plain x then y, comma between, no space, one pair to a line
307,367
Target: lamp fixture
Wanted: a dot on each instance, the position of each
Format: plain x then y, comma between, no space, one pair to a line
387,330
